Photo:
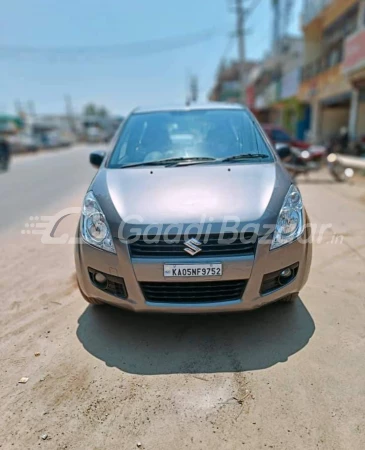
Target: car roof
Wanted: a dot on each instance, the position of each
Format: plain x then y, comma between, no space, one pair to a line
191,107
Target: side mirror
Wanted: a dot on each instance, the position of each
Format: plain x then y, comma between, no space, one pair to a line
283,150
96,158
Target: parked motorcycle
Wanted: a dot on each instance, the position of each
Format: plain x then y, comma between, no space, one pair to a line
341,145
299,162
338,169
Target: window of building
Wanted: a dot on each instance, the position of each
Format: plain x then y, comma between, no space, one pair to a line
335,55
343,26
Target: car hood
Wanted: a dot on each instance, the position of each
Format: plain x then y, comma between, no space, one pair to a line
244,193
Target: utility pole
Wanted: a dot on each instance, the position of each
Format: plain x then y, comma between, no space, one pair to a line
18,107
276,25
187,87
31,108
69,112
240,32
194,88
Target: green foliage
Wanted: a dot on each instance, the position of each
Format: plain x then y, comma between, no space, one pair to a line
292,113
93,110
102,112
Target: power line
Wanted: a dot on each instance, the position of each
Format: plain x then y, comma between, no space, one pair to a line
122,50
226,50
242,13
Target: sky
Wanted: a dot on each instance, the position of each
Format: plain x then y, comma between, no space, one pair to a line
103,73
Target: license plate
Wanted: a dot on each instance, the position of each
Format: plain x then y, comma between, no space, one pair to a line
192,270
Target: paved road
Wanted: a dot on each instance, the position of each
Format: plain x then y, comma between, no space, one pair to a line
284,377
36,181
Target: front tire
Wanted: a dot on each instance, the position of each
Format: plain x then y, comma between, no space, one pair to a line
291,298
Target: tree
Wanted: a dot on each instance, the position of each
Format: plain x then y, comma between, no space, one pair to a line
102,112
93,110
90,110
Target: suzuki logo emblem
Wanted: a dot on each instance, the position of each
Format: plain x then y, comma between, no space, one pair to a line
192,245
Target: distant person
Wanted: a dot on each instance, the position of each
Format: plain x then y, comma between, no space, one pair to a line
4,154
343,140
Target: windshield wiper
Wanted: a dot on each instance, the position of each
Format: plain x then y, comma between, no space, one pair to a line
244,156
170,161
186,160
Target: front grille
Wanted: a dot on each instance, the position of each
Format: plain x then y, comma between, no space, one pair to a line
204,292
272,281
114,285
213,245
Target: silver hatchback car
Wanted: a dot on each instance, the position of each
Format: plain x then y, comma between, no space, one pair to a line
191,211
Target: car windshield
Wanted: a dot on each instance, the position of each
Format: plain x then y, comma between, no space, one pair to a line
205,134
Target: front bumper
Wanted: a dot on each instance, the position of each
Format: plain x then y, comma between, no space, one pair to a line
250,268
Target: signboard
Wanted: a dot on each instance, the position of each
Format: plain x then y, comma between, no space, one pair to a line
354,52
229,86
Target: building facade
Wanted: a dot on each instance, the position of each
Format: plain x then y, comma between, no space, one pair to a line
354,69
324,87
227,87
273,85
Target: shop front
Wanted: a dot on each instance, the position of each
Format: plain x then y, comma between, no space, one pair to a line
295,115
354,69
335,113
265,104
329,96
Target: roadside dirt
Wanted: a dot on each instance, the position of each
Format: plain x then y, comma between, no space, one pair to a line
284,377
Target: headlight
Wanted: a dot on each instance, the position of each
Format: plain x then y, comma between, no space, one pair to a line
94,227
290,223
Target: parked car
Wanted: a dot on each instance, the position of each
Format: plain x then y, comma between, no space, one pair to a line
95,134
23,143
278,135
213,225
54,139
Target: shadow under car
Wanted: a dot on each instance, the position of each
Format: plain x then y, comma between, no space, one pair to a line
151,344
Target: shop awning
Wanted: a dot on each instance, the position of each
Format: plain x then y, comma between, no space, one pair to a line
337,99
